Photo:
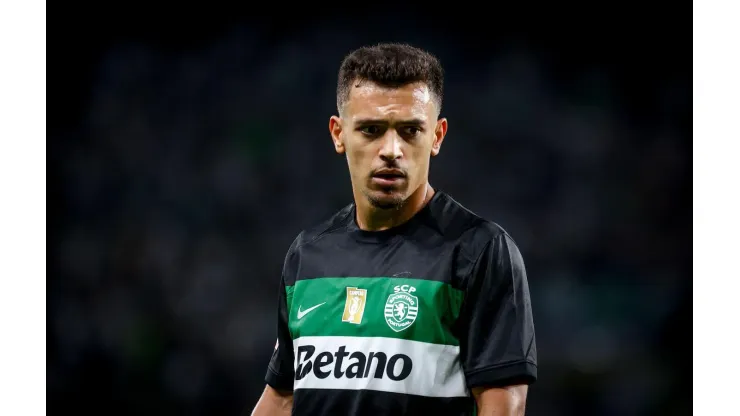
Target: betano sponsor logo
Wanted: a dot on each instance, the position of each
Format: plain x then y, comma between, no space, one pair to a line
377,364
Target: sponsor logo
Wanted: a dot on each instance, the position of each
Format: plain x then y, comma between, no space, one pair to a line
303,313
401,308
344,364
354,306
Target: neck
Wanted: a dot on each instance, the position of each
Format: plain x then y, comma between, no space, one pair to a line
370,218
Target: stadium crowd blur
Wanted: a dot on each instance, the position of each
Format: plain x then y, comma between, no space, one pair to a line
194,168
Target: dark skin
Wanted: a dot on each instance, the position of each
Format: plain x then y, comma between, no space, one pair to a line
399,129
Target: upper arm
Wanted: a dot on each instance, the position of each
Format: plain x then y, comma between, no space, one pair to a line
280,372
277,397
504,401
497,340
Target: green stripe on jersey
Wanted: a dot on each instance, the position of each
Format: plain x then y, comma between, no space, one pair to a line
391,307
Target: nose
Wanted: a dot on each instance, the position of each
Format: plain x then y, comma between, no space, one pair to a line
391,149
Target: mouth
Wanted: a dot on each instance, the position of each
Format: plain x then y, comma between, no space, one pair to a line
388,177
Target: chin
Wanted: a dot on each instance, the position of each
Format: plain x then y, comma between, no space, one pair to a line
386,199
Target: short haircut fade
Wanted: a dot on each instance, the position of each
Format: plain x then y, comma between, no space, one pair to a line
390,65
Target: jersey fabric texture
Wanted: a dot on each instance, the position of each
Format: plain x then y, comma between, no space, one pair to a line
402,321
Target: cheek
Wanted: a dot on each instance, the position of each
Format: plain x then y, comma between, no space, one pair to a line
418,154
418,158
358,160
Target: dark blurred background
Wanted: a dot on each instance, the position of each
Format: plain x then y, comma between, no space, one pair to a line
185,157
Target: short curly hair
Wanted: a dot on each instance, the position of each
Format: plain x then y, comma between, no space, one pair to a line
391,65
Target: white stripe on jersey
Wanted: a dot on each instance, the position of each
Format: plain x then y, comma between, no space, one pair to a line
408,367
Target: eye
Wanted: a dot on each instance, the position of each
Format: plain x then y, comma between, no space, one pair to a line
371,130
411,131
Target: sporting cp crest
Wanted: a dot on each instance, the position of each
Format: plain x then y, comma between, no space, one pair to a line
401,308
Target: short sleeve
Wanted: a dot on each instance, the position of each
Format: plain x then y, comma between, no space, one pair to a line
280,373
497,339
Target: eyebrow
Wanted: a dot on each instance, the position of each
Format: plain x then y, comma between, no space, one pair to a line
412,122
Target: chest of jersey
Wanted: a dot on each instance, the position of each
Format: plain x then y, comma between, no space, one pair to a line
392,307
376,317
380,333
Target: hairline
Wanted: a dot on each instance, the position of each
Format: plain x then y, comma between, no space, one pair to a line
357,81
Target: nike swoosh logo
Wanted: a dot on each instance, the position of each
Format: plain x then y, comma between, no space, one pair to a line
301,313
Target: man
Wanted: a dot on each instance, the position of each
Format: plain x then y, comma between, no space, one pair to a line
404,302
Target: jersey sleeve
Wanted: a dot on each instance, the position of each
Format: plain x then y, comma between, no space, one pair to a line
497,344
280,373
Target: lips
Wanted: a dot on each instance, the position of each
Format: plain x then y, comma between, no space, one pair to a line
389,174
388,177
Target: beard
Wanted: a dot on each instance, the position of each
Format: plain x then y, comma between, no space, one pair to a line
386,201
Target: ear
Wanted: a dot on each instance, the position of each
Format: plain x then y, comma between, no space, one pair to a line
335,129
439,135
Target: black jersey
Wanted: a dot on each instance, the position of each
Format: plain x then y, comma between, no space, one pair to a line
402,321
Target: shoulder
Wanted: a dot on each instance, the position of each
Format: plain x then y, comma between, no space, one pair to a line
486,250
307,236
472,232
336,222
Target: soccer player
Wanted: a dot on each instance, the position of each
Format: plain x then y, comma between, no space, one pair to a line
404,302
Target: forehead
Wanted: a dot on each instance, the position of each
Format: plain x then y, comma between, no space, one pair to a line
370,100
